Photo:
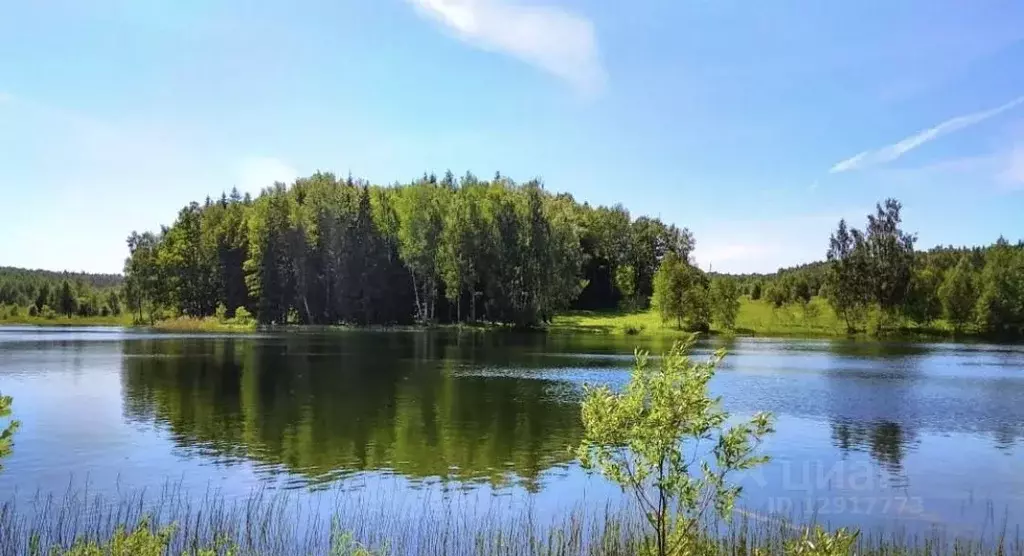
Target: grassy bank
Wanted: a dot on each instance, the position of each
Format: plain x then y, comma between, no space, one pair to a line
346,522
22,318
755,318
205,324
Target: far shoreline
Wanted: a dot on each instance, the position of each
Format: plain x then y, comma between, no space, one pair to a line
641,325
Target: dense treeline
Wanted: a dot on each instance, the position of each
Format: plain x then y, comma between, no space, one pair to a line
787,285
875,280
48,293
325,251
877,268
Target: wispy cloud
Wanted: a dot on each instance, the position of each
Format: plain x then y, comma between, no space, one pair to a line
558,41
892,152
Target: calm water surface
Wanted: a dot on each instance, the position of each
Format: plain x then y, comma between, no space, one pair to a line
868,434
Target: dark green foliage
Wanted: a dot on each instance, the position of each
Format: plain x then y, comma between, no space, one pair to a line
778,294
67,300
681,294
1000,307
609,241
923,304
87,296
725,301
7,433
889,256
801,291
872,267
326,251
958,294
880,269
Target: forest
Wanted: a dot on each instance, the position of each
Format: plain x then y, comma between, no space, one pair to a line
874,279
329,251
326,251
47,293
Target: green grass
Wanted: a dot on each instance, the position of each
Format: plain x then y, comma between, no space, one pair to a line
24,319
755,318
205,324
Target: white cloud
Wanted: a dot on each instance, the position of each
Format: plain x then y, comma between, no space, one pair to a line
255,173
559,42
892,152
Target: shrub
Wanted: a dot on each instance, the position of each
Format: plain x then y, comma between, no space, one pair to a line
646,438
48,313
142,541
819,542
157,314
221,312
633,329
32,311
243,316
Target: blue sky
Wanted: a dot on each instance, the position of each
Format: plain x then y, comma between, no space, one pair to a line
755,124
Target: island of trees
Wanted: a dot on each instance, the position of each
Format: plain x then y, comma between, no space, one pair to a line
328,251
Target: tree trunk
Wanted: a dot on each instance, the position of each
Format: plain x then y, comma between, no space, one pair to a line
472,306
416,293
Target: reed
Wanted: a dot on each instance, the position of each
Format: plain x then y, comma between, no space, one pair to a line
341,521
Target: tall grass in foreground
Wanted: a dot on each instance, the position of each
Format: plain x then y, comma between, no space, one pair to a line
343,522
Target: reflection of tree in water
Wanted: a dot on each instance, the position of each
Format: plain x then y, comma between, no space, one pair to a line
321,409
885,441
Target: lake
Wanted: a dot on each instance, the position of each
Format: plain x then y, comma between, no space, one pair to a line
871,434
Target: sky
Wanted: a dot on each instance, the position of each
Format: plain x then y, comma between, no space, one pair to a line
757,125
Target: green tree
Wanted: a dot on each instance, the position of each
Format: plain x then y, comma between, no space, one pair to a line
669,284
143,275
461,242
958,294
67,301
890,255
725,301
625,282
801,290
114,303
269,268
1000,307
648,438
7,435
777,293
43,297
923,303
847,277
419,232
755,291
681,293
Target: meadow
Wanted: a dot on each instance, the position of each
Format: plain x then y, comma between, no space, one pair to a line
755,318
